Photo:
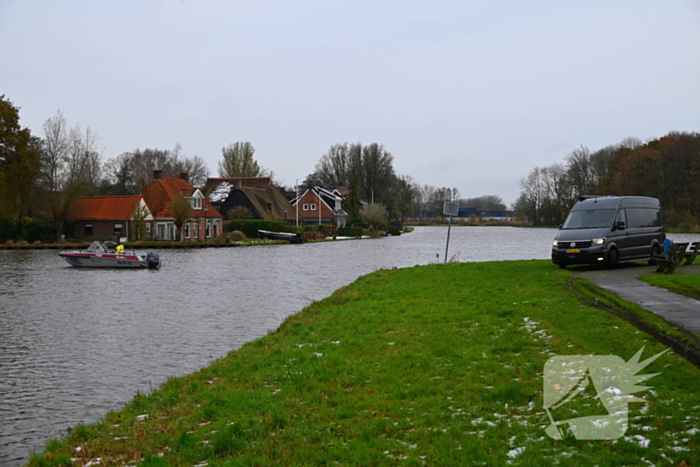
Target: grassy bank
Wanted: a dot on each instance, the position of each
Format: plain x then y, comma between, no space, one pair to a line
434,365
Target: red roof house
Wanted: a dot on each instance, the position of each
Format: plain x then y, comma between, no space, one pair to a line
109,217
204,221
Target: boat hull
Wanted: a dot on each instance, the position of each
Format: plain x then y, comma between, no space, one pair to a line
290,237
90,260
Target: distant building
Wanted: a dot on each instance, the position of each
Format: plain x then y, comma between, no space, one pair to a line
318,205
256,194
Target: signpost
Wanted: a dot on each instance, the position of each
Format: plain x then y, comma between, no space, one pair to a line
449,209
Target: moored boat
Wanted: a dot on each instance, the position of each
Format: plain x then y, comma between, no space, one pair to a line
105,255
291,237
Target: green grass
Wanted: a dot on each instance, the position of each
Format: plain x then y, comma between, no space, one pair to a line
433,365
684,284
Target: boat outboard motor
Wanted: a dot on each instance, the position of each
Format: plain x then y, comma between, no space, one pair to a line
153,260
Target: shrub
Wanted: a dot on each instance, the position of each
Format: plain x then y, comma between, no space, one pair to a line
25,229
237,236
350,232
310,235
391,230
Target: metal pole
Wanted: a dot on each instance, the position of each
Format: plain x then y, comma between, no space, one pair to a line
449,227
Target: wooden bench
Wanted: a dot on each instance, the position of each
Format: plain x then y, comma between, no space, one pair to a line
676,255
692,252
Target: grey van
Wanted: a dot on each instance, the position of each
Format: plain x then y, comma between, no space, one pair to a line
610,229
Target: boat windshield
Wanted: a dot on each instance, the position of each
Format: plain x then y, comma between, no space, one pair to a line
97,247
589,219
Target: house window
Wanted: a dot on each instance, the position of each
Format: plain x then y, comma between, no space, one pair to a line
148,227
187,230
118,229
216,229
87,230
196,203
206,233
306,207
313,206
195,229
269,207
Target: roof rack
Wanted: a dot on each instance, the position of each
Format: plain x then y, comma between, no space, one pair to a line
584,197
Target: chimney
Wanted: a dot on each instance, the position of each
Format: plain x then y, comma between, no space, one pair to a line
157,174
184,175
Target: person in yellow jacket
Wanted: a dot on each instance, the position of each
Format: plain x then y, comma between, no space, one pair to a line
120,249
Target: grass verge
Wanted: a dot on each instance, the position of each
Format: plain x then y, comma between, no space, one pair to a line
684,284
433,365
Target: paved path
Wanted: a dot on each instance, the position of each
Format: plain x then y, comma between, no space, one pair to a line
623,282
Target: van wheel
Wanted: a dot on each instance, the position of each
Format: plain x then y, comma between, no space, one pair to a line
655,251
562,266
613,256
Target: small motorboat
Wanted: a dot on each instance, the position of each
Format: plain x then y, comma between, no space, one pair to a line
290,237
109,255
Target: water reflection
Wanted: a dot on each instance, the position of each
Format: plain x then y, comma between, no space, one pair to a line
76,343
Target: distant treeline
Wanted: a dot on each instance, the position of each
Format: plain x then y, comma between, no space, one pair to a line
667,168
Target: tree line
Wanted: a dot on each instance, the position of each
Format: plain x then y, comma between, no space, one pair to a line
667,168
40,176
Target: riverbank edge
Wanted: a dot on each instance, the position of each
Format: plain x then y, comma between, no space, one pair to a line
174,245
371,292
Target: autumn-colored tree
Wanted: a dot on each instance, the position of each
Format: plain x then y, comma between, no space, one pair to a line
667,168
19,162
238,161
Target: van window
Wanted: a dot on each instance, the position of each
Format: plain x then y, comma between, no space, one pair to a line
589,219
621,216
640,218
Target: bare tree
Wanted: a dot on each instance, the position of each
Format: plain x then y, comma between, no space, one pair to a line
580,171
83,161
339,165
54,159
484,203
181,210
119,174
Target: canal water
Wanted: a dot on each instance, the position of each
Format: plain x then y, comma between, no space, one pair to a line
77,343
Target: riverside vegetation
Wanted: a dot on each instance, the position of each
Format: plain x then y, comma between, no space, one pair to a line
430,365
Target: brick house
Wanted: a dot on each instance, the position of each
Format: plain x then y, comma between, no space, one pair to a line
110,217
205,221
318,205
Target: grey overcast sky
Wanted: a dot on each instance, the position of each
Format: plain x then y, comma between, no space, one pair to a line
464,93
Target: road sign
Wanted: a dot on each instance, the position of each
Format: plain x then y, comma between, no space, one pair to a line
450,209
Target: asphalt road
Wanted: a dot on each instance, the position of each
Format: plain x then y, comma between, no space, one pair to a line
623,282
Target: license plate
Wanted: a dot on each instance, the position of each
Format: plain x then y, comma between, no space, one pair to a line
573,250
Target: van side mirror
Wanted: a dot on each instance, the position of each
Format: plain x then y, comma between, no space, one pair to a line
620,225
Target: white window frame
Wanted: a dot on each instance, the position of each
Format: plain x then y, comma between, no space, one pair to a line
313,206
306,207
195,202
